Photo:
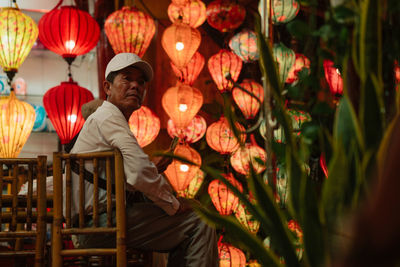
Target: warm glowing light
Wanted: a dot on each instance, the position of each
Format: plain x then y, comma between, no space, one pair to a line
72,118
179,46
184,167
70,44
182,107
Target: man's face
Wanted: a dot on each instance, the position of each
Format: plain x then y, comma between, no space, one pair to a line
127,91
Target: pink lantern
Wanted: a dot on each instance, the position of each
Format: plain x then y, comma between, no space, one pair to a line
224,200
189,74
240,160
225,15
19,86
192,133
247,103
333,77
145,125
300,63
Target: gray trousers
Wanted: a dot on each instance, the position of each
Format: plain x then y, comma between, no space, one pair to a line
189,241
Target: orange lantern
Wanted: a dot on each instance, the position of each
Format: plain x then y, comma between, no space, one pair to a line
180,2
181,103
240,160
189,74
192,13
247,103
145,125
194,185
180,174
246,218
222,65
229,256
16,123
225,15
333,77
129,30
224,200
300,62
220,136
180,42
192,133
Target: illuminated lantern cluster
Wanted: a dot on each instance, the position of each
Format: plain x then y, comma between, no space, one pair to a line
244,44
69,32
145,125
192,13
333,77
129,30
284,11
16,123
240,160
285,57
63,105
246,218
189,74
194,185
192,133
225,64
181,103
225,15
229,256
220,137
180,174
224,200
247,103
300,63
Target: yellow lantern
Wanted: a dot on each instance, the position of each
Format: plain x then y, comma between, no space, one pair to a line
16,123
18,33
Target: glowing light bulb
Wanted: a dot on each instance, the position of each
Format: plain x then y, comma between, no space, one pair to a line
179,46
70,44
182,107
72,118
338,71
184,167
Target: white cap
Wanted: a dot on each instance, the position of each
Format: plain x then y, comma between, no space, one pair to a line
123,60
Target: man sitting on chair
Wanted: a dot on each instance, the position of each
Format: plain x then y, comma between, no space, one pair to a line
165,223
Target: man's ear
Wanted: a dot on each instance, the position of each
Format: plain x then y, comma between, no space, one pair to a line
106,87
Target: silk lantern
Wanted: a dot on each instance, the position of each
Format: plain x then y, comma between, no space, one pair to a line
247,103
180,174
284,11
244,44
225,15
69,32
192,13
224,200
220,137
222,65
145,125
300,62
180,42
246,219
191,71
333,77
229,256
180,2
194,185
191,133
18,33
181,103
16,123
63,106
129,30
240,160
285,58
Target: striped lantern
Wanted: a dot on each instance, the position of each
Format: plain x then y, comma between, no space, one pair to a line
285,58
191,71
284,11
191,133
225,15
145,125
244,44
224,200
129,30
192,13
194,185
240,160
229,256
247,103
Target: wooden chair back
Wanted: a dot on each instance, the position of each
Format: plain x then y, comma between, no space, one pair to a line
19,213
114,177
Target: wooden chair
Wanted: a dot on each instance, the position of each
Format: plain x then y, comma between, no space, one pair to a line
18,213
114,176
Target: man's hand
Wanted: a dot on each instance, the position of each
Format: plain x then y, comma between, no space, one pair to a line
162,163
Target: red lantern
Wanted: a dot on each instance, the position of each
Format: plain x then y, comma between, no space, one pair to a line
145,125
220,136
333,77
68,31
192,133
222,65
240,160
300,63
180,174
63,106
229,256
225,201
180,42
192,13
247,103
181,103
189,74
129,30
224,15
322,163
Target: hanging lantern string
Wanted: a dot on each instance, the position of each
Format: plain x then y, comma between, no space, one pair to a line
15,3
58,4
